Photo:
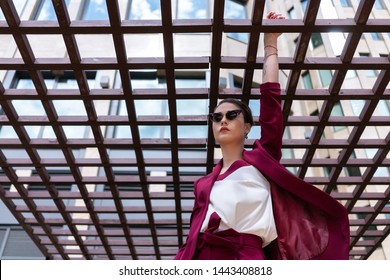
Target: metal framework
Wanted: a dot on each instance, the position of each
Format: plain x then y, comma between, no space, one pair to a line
78,232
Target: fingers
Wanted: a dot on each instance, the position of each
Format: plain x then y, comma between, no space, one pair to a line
273,15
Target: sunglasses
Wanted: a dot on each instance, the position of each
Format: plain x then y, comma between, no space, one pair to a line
230,115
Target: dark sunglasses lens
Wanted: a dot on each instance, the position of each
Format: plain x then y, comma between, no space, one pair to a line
231,115
216,117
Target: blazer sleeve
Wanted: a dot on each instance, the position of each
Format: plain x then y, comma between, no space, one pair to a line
271,120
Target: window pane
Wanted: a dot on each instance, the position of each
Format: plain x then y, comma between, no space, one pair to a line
29,107
291,14
122,108
254,105
33,131
379,5
304,5
95,10
145,9
192,131
7,132
122,131
24,84
69,84
19,244
2,234
145,84
338,112
151,107
192,107
352,170
387,214
192,9
190,83
345,3
350,74
46,10
368,72
382,109
236,10
19,5
150,131
337,41
376,36
307,80
70,107
75,131
326,77
357,106
243,37
316,40
63,81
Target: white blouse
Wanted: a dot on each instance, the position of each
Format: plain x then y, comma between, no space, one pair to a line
242,198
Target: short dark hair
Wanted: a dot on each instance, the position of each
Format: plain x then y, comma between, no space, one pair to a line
246,111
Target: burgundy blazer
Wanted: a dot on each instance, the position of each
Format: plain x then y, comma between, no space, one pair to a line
309,222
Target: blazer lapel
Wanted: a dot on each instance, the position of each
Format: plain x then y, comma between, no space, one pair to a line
205,184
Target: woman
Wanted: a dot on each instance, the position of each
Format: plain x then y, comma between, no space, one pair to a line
251,207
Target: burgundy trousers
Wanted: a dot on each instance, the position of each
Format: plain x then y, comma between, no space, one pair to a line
228,244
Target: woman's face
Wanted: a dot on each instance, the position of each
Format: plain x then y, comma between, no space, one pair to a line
230,131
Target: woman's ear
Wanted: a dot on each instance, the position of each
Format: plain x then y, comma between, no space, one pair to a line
247,128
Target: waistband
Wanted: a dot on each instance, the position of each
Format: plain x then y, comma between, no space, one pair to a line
227,238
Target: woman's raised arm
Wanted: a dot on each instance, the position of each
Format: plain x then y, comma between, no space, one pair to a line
271,119
271,64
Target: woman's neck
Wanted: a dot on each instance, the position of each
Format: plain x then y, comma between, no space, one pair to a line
230,154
